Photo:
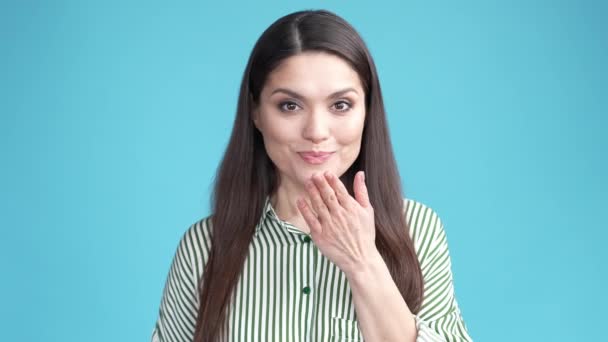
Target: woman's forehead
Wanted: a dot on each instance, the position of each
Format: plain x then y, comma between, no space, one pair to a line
313,74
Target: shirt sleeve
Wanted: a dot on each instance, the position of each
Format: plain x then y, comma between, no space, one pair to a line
178,306
439,318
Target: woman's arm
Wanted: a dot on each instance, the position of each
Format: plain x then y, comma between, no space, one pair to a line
344,231
178,306
382,313
439,318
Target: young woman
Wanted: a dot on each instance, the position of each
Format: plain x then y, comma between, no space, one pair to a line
310,238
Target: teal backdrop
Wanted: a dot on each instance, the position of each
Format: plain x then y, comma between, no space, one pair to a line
115,114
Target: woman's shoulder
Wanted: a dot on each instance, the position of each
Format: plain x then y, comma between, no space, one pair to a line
420,215
195,242
201,228
424,225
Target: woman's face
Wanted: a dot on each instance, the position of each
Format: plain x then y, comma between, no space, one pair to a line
311,113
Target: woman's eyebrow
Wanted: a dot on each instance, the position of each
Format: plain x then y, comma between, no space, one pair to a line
298,96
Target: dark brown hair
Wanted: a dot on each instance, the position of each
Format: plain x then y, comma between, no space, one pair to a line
247,175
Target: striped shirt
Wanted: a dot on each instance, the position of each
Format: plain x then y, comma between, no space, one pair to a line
289,291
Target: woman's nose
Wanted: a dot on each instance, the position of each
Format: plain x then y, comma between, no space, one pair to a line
316,127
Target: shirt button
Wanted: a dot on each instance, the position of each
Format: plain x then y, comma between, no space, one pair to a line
306,239
306,290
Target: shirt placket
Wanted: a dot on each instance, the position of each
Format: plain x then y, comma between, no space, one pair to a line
308,285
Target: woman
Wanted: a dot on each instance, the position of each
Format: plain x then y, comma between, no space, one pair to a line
310,238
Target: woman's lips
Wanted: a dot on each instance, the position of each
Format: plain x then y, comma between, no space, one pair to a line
315,158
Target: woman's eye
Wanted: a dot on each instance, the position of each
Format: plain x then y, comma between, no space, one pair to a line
342,106
288,106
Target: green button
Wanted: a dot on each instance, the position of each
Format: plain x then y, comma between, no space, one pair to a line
307,239
306,290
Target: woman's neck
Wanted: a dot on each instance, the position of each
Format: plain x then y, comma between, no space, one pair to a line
284,203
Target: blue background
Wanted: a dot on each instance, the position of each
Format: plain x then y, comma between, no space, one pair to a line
115,114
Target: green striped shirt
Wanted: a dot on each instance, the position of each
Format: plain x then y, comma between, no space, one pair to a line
289,291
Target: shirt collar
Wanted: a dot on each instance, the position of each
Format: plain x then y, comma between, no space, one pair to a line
267,210
269,213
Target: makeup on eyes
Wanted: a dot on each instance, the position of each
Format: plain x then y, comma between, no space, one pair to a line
281,105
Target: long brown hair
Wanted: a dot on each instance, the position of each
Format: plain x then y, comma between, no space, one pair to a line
247,175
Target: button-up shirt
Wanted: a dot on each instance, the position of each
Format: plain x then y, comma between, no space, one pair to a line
290,292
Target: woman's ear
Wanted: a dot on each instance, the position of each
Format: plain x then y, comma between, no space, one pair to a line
255,116
255,111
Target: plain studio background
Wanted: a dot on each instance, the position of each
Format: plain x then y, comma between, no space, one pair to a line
114,115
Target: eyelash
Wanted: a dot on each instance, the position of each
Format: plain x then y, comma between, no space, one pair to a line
282,104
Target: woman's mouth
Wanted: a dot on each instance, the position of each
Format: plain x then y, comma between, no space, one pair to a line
315,158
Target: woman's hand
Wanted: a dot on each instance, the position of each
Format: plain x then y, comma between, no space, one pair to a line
342,227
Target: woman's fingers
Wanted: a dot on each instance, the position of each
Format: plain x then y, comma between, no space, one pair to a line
327,193
309,217
360,190
317,201
344,198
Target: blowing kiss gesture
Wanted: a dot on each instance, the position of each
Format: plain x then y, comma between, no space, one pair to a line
342,227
